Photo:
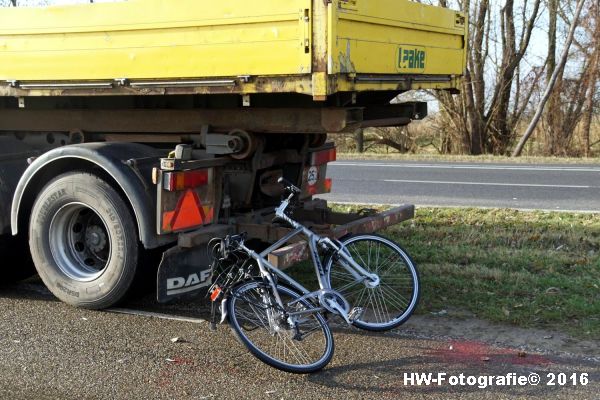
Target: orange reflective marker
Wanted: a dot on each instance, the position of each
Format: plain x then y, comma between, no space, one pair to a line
188,213
215,293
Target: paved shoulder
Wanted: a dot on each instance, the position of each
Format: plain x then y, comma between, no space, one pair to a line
49,350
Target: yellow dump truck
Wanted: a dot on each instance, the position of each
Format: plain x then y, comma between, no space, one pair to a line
152,124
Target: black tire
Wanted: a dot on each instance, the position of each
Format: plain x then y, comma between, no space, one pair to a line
16,260
389,304
247,310
83,241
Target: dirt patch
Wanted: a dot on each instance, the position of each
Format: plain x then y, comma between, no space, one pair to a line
474,353
469,328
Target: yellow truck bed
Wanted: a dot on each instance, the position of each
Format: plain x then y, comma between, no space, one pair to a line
230,46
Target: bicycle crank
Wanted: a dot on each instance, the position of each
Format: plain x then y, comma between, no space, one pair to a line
335,303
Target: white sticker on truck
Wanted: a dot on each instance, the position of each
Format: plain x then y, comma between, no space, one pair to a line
313,175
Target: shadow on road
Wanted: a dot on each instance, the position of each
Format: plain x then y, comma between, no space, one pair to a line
386,378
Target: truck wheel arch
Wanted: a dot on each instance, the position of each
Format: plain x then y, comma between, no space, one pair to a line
127,166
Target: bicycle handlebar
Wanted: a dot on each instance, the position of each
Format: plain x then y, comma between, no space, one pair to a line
232,242
287,185
237,241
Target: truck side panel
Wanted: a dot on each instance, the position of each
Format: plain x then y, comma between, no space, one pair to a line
150,47
396,37
148,39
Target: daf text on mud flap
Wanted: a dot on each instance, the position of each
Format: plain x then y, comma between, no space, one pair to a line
192,282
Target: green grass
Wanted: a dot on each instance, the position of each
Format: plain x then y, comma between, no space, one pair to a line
531,269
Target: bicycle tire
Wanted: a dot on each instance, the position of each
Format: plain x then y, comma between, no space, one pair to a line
282,344
393,301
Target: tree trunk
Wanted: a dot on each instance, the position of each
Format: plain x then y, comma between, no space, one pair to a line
590,100
476,96
360,141
587,124
553,111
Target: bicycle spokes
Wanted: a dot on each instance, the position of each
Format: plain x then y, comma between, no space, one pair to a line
293,343
390,301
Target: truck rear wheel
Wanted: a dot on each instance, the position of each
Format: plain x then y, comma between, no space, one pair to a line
83,241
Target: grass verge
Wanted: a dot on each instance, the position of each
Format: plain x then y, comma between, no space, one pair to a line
531,269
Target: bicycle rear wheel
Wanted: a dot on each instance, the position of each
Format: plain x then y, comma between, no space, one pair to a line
298,344
389,304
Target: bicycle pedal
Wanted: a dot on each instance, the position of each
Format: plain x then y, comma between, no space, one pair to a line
356,313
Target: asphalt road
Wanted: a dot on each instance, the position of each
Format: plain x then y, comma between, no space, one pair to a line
49,350
522,186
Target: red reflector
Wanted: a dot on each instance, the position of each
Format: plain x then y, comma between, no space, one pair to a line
215,293
174,181
195,178
328,184
323,157
189,213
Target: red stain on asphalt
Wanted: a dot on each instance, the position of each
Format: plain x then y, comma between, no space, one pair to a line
470,352
182,361
169,371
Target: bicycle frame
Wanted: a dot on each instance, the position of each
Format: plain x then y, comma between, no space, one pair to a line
314,242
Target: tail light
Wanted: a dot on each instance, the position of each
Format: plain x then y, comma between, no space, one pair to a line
176,181
323,157
328,184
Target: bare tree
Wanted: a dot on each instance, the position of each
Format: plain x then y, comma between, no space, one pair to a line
549,87
501,122
488,115
464,113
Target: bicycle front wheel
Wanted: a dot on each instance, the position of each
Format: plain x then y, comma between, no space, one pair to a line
389,304
298,343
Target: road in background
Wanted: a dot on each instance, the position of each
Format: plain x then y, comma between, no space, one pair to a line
523,186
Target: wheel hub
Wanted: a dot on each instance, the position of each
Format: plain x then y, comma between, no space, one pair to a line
372,282
79,242
95,238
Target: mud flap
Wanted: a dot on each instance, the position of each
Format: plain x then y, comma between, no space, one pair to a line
183,274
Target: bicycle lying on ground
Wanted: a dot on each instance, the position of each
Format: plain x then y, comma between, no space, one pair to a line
367,280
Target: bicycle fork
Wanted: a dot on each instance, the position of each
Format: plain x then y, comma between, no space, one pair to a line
359,273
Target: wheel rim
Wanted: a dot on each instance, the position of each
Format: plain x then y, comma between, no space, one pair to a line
80,242
304,348
396,295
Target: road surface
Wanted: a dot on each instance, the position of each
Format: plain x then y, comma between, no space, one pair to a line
50,351
547,187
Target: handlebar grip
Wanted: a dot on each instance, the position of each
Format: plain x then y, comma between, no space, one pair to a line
288,185
235,240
